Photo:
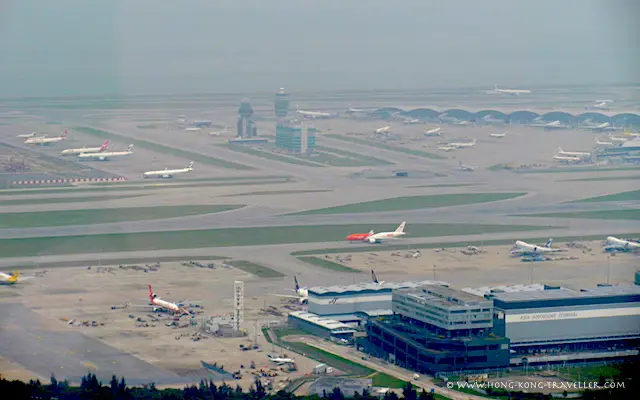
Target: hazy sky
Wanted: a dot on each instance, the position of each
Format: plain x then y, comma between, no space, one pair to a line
85,47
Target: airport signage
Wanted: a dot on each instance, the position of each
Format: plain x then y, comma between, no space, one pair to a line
563,315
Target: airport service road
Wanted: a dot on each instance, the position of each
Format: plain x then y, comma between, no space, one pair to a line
45,350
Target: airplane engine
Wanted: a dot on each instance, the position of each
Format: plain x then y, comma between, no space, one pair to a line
304,301
371,240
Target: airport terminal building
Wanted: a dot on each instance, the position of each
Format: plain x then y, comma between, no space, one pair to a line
561,325
354,303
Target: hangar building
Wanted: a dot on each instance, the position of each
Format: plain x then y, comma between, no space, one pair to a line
353,303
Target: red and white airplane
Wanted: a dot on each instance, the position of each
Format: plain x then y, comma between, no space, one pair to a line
373,237
84,150
158,302
44,140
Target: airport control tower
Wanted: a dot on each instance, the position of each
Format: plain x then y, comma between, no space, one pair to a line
246,126
281,103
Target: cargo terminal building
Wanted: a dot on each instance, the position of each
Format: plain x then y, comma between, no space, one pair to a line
438,329
562,325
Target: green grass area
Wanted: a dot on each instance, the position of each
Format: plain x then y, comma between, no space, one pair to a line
623,196
379,145
600,214
604,179
380,379
105,215
412,203
276,192
496,242
323,263
288,331
192,239
269,155
152,185
160,148
334,360
56,200
589,373
258,270
444,185
113,261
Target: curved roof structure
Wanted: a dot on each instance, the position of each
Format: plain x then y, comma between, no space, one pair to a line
519,116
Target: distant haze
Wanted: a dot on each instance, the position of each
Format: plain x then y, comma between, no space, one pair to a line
81,47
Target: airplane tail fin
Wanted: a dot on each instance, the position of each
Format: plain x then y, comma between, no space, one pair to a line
295,279
190,165
14,277
64,134
130,147
151,294
400,228
374,278
105,145
549,242
371,232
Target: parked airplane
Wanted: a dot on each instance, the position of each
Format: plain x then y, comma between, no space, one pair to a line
168,173
550,125
375,280
280,360
27,135
600,105
618,138
632,134
359,237
603,127
526,249
44,140
490,120
193,129
433,132
446,147
601,143
460,145
513,92
104,156
6,279
379,237
384,129
158,302
102,148
313,114
498,135
352,110
579,154
466,168
302,293
567,159
614,244
412,121
219,133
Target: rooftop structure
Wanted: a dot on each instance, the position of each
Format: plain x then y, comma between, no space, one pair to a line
246,126
444,308
320,326
348,386
370,287
482,291
281,104
292,138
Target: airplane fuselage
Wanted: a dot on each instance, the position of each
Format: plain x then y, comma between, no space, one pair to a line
169,173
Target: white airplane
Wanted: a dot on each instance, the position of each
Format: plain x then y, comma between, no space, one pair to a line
526,249
106,155
489,119
44,140
193,129
352,110
512,92
632,134
379,237
567,159
614,244
433,132
158,302
312,114
498,135
446,147
579,154
600,105
384,129
618,138
412,121
168,173
460,145
550,125
375,280
466,168
601,143
603,127
302,293
27,135
219,133
280,360
100,149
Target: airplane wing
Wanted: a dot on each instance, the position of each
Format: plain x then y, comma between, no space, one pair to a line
286,295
